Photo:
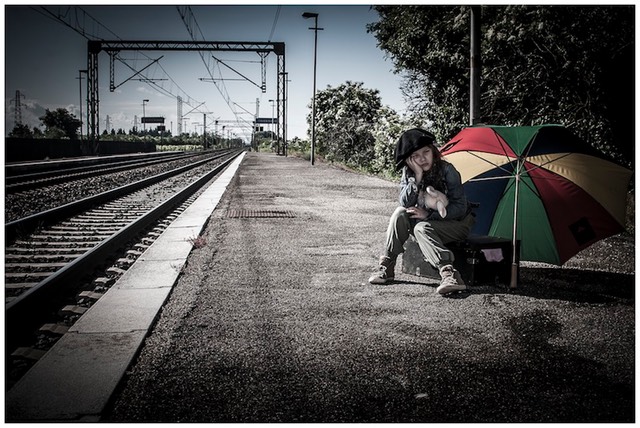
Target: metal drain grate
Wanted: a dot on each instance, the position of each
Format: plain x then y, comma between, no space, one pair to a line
249,213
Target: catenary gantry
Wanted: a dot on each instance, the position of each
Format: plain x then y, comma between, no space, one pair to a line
114,46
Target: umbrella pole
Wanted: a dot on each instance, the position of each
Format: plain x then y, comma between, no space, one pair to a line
514,260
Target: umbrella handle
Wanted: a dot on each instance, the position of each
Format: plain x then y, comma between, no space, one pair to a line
514,259
514,276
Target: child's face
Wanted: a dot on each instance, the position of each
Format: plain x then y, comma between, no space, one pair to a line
423,158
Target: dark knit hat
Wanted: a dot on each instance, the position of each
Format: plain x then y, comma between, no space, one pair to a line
409,142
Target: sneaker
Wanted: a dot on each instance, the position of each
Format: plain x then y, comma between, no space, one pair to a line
385,273
451,280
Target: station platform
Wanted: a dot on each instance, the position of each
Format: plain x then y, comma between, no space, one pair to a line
270,318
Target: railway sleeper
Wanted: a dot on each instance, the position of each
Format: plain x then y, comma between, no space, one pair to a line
28,353
68,251
102,219
20,285
110,206
94,220
72,311
115,271
50,245
126,212
89,296
30,276
77,228
123,201
113,212
55,329
126,217
98,219
50,238
134,253
63,251
81,233
35,267
73,225
124,262
104,281
40,258
115,207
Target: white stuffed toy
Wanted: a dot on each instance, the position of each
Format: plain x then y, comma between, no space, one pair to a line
436,200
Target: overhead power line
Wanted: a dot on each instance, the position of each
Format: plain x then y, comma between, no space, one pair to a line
275,21
75,18
83,23
190,22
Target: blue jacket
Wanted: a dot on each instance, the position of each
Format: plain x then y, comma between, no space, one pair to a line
450,184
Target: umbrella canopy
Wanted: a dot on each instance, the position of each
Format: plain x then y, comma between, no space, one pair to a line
541,185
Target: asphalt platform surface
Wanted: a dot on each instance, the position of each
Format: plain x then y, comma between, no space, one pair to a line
273,320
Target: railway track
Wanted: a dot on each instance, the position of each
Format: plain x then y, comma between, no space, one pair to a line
55,191
18,181
13,169
55,261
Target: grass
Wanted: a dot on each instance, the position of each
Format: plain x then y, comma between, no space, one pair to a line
198,241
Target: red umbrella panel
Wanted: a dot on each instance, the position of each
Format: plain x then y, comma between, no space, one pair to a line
541,185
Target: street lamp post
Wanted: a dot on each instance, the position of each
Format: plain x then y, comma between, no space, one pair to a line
144,115
223,128
285,110
315,28
272,114
215,138
474,84
204,131
80,79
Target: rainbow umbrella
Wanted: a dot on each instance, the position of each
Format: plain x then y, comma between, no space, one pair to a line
540,185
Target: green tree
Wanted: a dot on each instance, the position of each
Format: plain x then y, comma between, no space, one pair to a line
572,65
386,132
60,123
299,146
345,117
21,131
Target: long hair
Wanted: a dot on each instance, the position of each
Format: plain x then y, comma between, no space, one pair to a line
434,177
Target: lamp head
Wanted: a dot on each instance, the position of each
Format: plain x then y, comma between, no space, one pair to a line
308,15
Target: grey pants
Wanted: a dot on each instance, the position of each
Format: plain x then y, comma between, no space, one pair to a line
431,236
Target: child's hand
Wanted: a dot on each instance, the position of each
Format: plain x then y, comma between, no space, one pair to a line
417,213
417,169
